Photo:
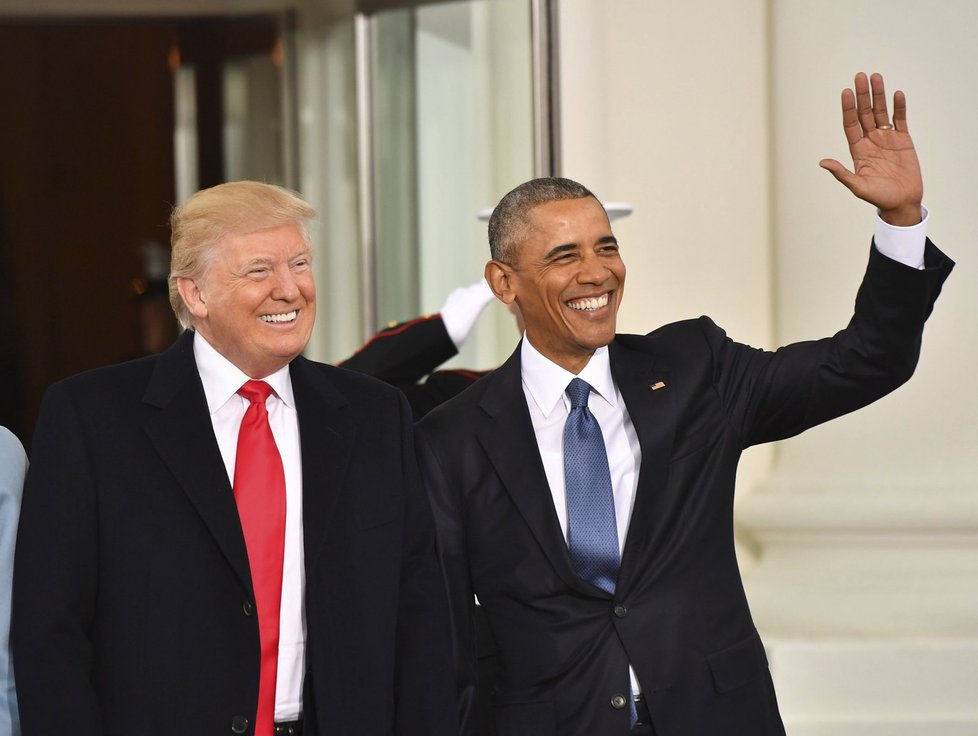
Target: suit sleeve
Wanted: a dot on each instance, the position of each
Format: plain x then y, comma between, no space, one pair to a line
449,515
56,579
424,686
404,353
774,395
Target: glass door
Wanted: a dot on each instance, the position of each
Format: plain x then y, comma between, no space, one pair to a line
412,118
451,131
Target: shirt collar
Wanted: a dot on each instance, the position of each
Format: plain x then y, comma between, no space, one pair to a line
546,381
222,379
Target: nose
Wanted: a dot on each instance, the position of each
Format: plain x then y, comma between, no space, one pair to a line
593,270
286,286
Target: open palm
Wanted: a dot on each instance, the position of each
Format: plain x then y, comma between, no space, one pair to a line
886,170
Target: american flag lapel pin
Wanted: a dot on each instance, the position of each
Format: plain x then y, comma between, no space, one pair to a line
657,385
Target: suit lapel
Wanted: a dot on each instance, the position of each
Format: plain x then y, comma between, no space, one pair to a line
326,440
510,443
644,382
183,435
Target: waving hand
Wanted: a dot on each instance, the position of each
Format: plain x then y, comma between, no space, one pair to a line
886,171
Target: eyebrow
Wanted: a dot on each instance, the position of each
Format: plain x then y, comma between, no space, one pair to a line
268,260
557,250
259,261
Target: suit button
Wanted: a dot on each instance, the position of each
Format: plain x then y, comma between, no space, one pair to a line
239,724
618,702
248,608
620,611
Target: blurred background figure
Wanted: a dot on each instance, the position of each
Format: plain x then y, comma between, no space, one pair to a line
155,324
13,467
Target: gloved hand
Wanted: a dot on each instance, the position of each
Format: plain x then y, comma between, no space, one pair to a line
463,307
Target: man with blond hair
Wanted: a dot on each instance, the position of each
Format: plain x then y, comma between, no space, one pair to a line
227,537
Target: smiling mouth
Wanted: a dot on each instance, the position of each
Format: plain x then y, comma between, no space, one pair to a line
590,304
280,318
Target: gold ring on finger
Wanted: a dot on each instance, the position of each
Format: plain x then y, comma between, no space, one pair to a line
885,127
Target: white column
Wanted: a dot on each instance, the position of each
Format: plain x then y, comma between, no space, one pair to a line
711,117
866,581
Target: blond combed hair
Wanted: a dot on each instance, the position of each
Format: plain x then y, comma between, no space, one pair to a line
210,215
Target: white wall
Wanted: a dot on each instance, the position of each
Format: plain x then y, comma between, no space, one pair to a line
926,49
665,105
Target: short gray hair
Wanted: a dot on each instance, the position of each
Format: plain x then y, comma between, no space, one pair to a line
507,224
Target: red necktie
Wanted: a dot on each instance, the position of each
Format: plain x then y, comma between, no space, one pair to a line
259,490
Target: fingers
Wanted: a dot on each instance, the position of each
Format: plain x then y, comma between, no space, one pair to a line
900,111
864,103
850,119
880,116
835,168
865,109
841,173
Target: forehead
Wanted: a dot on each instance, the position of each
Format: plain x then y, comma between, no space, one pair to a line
274,242
568,220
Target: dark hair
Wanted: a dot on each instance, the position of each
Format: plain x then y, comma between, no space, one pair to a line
507,224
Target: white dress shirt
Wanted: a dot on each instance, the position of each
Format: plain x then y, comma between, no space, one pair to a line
221,380
544,383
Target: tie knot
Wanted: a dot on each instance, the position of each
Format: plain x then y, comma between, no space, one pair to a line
577,392
255,391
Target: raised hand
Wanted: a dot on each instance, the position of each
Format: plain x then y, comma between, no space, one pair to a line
887,173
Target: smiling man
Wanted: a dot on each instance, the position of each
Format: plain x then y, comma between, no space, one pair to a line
227,538
584,490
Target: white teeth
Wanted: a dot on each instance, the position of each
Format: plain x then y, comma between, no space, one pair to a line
287,317
589,305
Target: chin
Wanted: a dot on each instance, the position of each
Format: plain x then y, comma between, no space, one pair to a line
598,340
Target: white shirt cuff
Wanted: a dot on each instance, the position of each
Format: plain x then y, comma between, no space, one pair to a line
903,244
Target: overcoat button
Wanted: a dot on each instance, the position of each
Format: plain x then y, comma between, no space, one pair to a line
239,724
618,702
248,608
620,611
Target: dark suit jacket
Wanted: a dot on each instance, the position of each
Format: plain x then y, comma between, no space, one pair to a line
132,606
679,615
406,355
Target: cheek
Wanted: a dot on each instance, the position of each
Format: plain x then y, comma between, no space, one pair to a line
307,287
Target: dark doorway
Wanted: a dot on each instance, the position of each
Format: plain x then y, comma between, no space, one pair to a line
87,184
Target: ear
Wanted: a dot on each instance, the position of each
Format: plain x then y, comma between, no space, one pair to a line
499,276
192,297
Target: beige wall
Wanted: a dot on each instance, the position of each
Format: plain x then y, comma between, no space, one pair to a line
926,431
665,105
711,117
